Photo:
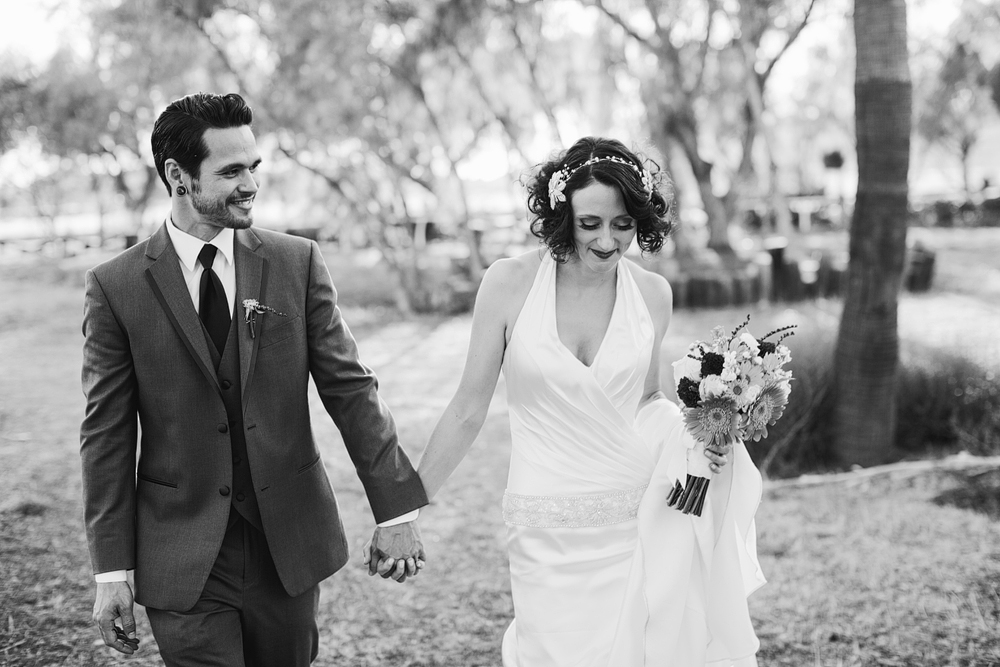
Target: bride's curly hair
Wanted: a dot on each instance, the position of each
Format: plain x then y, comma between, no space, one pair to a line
653,210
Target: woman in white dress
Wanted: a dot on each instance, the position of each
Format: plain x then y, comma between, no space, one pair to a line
603,573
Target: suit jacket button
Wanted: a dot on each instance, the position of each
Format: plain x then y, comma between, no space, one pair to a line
240,497
223,428
226,384
223,491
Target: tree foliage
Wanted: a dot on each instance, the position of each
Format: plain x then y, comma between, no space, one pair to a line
704,87
953,111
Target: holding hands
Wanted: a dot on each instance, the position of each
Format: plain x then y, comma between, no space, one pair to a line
395,552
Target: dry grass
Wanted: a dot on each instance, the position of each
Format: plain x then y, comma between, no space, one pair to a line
890,572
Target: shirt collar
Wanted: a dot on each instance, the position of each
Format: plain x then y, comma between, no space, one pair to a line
188,246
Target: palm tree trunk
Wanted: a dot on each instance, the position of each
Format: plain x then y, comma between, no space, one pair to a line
867,355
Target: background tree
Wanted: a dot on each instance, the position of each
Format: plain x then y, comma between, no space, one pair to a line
377,104
867,355
954,109
705,92
16,101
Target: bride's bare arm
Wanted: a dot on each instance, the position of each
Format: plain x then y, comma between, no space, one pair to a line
660,302
463,418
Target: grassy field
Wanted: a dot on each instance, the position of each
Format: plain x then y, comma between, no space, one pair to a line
890,570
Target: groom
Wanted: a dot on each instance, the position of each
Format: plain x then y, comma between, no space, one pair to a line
206,335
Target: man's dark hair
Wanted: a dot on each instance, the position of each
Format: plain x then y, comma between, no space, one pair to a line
179,132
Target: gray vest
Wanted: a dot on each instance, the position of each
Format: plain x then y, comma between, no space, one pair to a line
227,370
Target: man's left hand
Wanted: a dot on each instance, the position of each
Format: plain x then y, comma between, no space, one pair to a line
395,552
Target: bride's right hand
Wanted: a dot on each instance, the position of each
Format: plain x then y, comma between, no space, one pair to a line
718,460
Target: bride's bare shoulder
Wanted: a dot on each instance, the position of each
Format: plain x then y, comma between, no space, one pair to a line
512,275
654,288
507,282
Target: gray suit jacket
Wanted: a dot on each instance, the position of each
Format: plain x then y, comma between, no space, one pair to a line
146,362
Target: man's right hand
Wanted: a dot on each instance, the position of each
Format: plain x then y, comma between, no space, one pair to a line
114,600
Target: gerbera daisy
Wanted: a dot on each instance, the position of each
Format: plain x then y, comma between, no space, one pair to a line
714,422
765,411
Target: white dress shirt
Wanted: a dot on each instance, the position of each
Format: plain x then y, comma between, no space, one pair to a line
188,247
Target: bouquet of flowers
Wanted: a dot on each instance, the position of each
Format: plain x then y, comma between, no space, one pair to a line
732,389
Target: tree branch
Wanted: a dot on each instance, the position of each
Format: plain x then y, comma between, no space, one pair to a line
703,47
334,183
535,82
199,25
618,20
791,40
506,123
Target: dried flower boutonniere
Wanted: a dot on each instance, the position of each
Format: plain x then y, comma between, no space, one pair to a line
251,307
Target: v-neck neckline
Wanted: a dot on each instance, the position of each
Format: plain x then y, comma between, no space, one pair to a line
607,329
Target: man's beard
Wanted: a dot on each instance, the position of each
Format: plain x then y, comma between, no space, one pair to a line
217,211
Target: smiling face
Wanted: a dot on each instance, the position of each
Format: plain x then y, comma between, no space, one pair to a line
223,195
602,228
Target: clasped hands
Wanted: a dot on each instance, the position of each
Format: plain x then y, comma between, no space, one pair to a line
395,552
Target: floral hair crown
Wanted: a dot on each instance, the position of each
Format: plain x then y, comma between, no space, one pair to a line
557,182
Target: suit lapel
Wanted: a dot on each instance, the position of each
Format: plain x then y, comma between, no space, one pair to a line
165,278
251,283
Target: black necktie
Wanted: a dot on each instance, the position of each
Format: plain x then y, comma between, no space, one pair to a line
213,311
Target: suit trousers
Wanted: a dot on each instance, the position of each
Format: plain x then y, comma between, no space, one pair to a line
244,617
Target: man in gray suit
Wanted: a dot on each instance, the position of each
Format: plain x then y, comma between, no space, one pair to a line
206,334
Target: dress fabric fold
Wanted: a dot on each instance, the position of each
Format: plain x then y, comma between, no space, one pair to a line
603,572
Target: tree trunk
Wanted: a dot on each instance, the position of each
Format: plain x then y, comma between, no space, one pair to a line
867,355
681,127
965,149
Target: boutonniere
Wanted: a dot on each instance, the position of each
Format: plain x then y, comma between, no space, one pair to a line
251,307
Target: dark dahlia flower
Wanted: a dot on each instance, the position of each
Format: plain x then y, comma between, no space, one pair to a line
711,364
766,347
687,391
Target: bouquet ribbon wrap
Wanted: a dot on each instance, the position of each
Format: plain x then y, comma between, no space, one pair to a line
689,495
687,593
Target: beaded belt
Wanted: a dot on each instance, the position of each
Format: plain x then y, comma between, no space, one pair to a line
603,509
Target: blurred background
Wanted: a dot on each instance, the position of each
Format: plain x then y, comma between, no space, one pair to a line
398,135
400,130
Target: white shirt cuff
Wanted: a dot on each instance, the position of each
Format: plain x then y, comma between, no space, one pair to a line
409,516
110,577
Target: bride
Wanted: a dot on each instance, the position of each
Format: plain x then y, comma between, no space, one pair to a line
603,573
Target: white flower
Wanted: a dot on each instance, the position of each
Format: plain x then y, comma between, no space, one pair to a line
741,393
753,373
647,181
750,342
688,368
784,354
719,340
713,387
772,362
557,185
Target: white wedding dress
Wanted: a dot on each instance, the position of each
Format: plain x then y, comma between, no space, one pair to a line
603,572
